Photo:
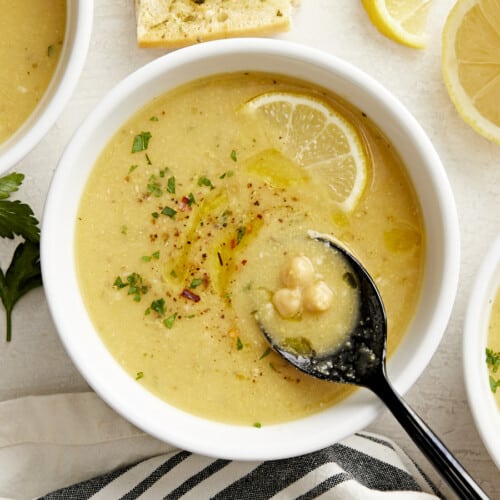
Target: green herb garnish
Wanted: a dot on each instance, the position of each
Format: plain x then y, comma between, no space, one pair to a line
233,155
492,359
171,185
299,345
190,199
135,283
154,187
258,425
139,375
169,212
149,162
141,142
265,353
239,344
204,181
50,50
240,232
23,273
153,119
169,322
196,282
229,173
158,306
494,384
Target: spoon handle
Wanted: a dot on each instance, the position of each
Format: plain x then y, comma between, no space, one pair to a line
444,461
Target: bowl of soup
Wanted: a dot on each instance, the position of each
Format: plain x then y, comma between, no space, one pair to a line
182,208
43,50
481,351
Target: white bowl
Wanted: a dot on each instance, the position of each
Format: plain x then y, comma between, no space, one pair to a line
79,16
84,344
481,400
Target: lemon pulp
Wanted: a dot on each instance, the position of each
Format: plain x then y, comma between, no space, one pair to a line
316,137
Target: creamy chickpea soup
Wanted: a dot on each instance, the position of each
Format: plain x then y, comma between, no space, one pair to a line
32,34
194,220
493,349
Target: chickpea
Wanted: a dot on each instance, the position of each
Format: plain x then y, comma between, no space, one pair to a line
318,297
288,302
299,273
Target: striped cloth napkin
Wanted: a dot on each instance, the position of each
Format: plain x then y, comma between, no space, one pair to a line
57,448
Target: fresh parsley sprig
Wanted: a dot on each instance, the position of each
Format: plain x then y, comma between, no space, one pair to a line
24,272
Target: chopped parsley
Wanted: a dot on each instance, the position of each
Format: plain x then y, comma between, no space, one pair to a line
258,425
139,375
240,232
153,119
265,353
204,181
158,306
190,199
239,344
132,168
494,384
169,212
51,50
135,284
233,155
141,142
154,187
148,258
492,359
148,160
171,185
196,282
493,362
169,322
229,173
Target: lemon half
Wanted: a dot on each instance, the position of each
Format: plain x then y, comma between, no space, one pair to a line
318,138
471,63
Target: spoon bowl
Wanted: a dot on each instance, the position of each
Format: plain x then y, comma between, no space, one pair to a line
360,360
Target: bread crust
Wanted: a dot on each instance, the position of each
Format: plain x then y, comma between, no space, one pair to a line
178,23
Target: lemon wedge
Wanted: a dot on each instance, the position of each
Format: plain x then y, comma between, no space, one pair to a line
315,136
471,63
404,21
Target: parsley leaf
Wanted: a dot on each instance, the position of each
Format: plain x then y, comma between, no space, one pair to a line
9,184
22,275
141,142
24,272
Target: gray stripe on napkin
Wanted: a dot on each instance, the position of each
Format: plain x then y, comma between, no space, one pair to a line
159,472
325,486
196,479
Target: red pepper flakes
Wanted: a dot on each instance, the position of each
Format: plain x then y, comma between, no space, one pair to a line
188,294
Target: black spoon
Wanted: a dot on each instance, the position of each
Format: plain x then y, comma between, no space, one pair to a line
360,360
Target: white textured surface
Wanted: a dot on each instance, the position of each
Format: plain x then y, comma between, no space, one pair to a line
35,362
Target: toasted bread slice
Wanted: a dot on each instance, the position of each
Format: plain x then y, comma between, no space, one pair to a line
177,23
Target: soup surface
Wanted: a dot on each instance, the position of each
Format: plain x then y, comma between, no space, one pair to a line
493,350
31,37
184,227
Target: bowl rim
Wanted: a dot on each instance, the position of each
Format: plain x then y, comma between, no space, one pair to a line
79,20
483,407
277,436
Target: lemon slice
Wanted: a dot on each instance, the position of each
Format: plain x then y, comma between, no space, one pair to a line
471,63
318,138
404,21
